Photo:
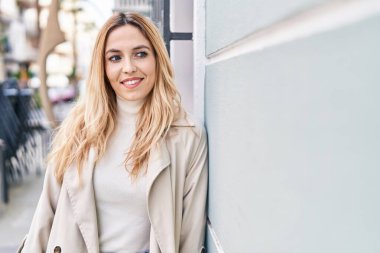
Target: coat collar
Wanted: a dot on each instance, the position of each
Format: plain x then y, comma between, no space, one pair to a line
160,197
82,198
183,120
81,194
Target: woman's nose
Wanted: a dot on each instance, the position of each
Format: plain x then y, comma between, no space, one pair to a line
129,66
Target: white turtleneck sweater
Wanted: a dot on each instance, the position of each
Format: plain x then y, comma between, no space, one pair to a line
123,221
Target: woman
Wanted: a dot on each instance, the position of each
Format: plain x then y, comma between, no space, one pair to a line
128,168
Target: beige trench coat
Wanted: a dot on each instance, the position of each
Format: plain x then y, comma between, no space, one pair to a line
176,196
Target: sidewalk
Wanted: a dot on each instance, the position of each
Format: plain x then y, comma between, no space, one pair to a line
16,216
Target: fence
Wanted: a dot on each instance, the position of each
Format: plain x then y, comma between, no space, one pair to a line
23,137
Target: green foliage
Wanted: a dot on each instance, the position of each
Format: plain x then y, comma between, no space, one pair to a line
37,98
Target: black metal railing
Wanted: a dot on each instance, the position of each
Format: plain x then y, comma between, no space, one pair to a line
23,136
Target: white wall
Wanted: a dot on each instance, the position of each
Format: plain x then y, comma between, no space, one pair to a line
291,109
181,51
199,58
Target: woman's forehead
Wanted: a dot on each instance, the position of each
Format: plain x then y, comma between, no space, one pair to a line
126,36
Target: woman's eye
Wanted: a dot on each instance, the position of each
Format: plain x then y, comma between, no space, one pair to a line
114,58
141,54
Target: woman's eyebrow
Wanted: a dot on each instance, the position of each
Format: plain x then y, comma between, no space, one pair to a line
141,47
112,50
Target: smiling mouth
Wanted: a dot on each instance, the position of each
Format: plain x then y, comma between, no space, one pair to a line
131,83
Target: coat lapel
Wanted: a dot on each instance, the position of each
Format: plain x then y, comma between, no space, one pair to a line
160,197
82,200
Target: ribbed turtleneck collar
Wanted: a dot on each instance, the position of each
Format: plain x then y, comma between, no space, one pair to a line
127,110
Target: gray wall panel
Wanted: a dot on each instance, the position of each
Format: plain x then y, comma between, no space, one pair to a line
228,21
294,136
211,247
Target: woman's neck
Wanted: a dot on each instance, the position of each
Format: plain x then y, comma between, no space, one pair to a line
127,111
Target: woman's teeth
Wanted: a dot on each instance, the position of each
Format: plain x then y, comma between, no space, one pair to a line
132,82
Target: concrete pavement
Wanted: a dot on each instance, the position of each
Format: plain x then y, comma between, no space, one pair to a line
16,216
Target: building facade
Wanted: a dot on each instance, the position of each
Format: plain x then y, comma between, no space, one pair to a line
291,104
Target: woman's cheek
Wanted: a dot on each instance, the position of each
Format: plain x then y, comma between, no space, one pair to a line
112,74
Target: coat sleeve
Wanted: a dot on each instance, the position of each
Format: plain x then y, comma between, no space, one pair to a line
38,235
194,200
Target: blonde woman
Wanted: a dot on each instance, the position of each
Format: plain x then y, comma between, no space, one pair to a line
127,172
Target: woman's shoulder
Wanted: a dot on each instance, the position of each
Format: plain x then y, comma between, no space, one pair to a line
188,126
187,120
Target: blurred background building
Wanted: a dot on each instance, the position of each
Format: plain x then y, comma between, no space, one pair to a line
289,94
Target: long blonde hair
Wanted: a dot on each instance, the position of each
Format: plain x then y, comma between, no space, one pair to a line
93,119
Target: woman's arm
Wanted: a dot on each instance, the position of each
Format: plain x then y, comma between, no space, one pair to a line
194,202
38,236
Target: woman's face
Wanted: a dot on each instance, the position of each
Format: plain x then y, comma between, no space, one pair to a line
130,63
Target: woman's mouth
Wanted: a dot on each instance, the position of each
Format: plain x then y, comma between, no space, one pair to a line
131,83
